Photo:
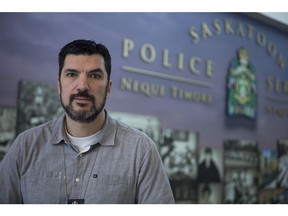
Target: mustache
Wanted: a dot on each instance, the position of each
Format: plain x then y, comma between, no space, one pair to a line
83,94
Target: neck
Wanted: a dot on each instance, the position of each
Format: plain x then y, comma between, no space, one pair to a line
79,129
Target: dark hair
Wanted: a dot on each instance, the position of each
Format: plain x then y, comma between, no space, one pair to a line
208,150
84,47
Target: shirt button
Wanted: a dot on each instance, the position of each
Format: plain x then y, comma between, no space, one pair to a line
77,179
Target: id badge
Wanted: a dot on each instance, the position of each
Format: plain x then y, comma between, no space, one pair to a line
75,201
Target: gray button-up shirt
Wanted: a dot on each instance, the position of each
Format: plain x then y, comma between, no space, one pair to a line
122,167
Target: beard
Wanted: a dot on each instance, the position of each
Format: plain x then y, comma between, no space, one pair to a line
83,116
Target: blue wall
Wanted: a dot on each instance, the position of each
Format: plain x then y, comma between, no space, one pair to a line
29,45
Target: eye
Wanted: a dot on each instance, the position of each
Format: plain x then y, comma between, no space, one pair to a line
70,74
96,76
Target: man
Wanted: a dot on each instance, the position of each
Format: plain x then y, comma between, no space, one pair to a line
86,156
207,169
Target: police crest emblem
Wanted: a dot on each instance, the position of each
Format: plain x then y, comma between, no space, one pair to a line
241,86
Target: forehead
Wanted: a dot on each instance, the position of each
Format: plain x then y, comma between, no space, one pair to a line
87,61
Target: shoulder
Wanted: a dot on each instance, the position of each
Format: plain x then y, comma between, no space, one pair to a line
127,129
128,135
29,141
44,131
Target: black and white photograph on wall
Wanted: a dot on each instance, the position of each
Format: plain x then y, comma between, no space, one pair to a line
7,128
273,196
145,123
282,178
239,153
37,103
268,168
210,165
210,193
241,186
184,190
178,150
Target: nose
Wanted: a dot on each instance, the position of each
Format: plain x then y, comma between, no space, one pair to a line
83,84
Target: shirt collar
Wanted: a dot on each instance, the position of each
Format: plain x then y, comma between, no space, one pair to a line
58,131
106,134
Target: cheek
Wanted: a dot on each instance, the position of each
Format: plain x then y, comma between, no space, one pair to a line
100,90
64,95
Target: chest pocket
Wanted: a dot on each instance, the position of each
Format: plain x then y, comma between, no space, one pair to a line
111,189
113,179
41,186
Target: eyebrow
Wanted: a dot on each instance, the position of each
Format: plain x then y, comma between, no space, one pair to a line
97,70
70,70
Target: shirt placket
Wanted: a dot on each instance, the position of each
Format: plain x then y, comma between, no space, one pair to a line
78,177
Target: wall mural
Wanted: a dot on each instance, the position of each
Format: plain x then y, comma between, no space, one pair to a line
210,89
237,173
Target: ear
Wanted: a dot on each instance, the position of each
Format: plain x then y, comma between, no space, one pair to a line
109,87
59,87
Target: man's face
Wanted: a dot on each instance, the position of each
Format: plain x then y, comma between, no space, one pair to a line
83,86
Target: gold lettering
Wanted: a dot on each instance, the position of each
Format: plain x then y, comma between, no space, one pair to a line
216,24
272,49
206,31
128,45
285,86
180,61
152,53
277,85
146,88
228,27
250,32
281,112
269,83
178,93
194,35
209,68
136,86
188,95
166,62
126,84
193,61
261,39
240,30
174,91
281,61
161,90
209,98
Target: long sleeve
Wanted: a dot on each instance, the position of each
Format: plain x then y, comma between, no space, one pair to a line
10,183
153,183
